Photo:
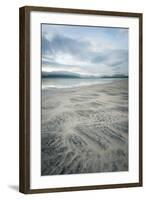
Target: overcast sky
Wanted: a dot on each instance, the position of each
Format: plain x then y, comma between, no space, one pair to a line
85,50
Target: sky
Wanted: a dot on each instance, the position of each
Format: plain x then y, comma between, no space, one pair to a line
85,50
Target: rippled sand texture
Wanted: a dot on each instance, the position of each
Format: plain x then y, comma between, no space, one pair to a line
85,130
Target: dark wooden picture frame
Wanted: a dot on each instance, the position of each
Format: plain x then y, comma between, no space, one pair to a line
24,135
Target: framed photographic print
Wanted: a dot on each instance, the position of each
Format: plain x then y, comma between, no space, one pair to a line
80,99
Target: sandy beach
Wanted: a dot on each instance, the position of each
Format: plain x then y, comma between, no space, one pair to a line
85,129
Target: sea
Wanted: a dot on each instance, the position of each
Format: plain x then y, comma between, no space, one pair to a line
75,82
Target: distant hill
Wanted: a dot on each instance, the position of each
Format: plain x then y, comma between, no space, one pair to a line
66,74
115,76
60,74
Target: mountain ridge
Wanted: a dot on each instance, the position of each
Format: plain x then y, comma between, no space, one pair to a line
67,74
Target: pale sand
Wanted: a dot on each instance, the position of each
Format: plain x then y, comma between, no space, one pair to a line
85,130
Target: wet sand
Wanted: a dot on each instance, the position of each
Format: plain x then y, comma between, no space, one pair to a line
85,129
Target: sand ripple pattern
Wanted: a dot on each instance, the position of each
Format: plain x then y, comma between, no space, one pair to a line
85,130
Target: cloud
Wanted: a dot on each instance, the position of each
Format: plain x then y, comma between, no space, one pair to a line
87,54
68,48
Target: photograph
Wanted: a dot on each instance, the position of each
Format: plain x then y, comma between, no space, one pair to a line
80,99
84,99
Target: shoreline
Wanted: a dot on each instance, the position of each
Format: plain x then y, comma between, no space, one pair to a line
83,86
